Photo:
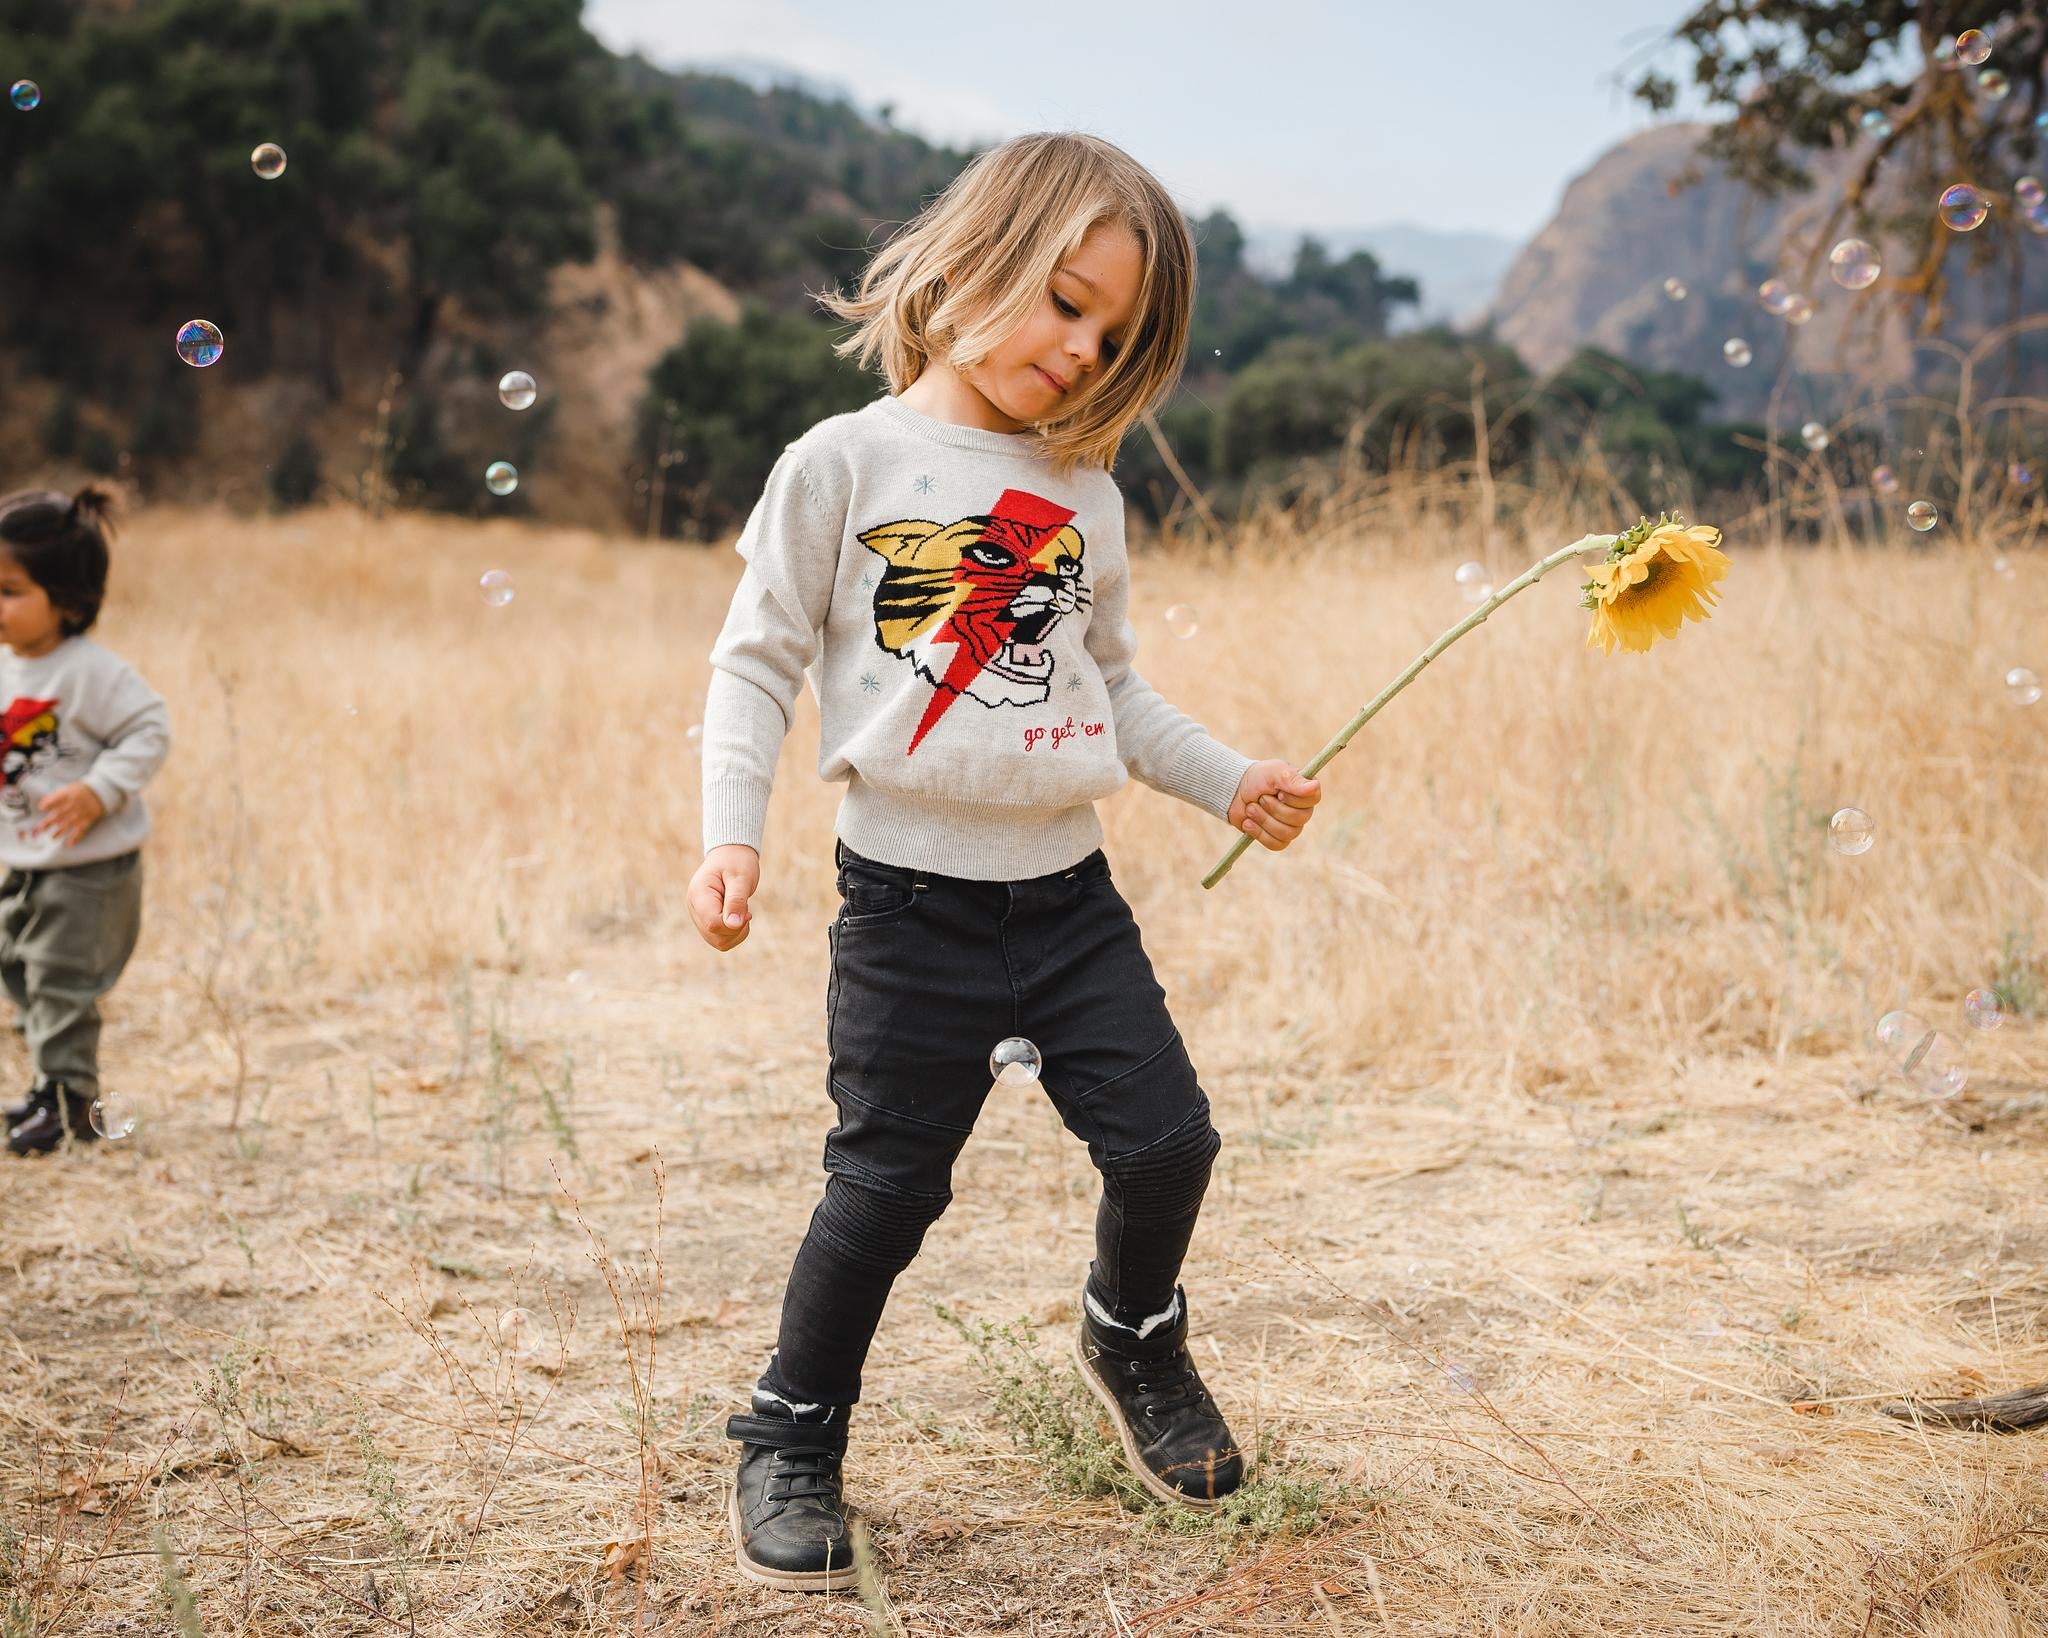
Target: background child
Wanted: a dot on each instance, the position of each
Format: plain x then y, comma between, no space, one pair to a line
948,566
82,734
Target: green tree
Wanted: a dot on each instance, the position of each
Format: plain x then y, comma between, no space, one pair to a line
1238,315
1352,295
1410,399
724,401
1650,425
488,204
1791,77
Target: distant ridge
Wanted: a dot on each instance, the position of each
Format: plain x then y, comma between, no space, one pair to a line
1594,276
1459,271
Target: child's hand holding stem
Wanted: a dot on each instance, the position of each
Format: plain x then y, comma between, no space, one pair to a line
1273,803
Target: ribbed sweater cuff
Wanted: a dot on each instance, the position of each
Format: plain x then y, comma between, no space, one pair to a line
735,810
1207,773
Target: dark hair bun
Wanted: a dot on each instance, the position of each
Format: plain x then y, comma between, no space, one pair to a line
93,505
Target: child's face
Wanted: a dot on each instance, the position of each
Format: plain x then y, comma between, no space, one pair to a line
1044,370
28,624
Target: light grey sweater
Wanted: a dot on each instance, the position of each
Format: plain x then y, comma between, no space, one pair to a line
78,714
961,617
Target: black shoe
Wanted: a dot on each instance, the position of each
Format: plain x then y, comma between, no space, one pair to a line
788,1522
35,1098
1174,1438
65,1114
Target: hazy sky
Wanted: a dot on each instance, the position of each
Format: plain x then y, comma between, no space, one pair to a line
1297,113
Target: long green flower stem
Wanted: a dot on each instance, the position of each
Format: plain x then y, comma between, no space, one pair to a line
1477,617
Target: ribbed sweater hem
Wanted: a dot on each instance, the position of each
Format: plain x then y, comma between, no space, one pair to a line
978,841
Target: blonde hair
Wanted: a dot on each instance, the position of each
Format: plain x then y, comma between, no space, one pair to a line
1001,229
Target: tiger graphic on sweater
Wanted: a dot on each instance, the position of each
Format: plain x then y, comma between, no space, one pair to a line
971,603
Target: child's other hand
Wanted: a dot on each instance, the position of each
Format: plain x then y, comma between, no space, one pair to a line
1273,802
719,892
68,813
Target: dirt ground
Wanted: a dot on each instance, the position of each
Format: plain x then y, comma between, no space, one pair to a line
1625,1378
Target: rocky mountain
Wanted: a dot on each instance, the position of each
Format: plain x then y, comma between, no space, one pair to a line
1595,276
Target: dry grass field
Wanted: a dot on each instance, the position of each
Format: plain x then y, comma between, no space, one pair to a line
1568,1234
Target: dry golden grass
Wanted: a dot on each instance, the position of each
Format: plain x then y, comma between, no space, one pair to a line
1540,1063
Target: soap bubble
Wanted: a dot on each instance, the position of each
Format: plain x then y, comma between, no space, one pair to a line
1973,46
1983,1010
25,94
1899,1032
496,585
1928,1058
1922,515
1855,264
517,390
579,987
199,343
1800,310
1776,296
2001,565
501,477
1182,621
1884,480
2018,475
515,1332
267,161
2023,685
1814,436
1852,831
1460,1377
112,1116
1473,582
1015,1062
1675,289
1936,1066
1876,123
1994,84
1737,352
1964,207
2036,216
2041,122
693,736
2029,191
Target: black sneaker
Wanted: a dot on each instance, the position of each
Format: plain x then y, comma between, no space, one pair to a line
1174,1438
64,1114
788,1522
32,1100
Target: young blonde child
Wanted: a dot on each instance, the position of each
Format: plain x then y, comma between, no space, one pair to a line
947,567
82,733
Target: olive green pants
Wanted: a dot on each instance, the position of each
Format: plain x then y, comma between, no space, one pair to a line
65,935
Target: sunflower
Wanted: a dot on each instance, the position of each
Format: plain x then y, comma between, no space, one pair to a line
1656,577
1652,580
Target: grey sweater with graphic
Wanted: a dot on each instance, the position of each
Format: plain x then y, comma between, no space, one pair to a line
961,616
78,714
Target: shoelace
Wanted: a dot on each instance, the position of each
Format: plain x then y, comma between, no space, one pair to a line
816,1467
1166,1385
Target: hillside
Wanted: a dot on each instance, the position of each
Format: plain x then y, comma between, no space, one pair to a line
469,189
1594,276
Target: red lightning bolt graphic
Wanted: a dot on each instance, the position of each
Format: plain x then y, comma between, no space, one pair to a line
1023,520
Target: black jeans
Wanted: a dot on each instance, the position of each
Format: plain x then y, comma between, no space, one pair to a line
929,972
